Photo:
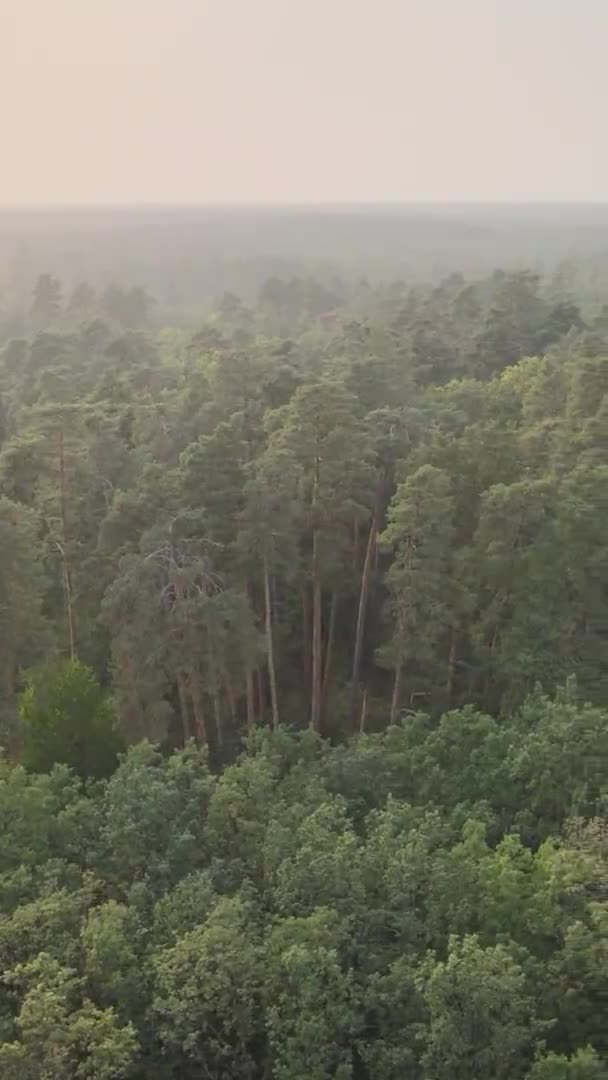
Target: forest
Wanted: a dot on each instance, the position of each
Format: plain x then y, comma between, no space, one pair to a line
304,680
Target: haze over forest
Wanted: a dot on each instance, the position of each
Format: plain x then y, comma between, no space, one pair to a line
196,101
303,540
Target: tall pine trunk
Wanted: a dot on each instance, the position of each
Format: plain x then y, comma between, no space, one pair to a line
259,686
231,698
451,665
196,695
132,712
249,687
363,716
361,613
306,637
217,716
329,648
249,690
396,699
270,646
183,706
315,696
215,690
65,550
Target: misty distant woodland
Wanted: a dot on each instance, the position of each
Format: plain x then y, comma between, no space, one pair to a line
304,644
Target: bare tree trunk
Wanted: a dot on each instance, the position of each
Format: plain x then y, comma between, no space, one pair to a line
486,678
315,696
217,716
396,693
270,646
13,733
65,550
451,664
230,696
331,632
132,712
306,637
250,698
67,592
249,688
215,693
199,711
363,716
183,705
363,596
260,693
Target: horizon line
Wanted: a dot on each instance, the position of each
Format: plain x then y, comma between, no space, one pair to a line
213,204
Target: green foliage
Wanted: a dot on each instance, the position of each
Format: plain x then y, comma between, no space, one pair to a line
403,901
207,993
311,1013
584,1065
204,507
59,1034
153,819
481,1021
23,627
67,718
335,507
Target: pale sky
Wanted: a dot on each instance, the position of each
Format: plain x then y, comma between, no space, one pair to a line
194,101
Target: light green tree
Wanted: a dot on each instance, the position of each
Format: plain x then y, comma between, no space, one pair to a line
67,718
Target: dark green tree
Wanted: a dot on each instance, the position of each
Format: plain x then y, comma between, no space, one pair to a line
67,718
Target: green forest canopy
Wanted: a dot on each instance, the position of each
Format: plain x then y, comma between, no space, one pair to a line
426,902
286,603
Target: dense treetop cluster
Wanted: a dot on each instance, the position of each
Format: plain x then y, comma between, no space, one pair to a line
290,517
427,902
302,684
